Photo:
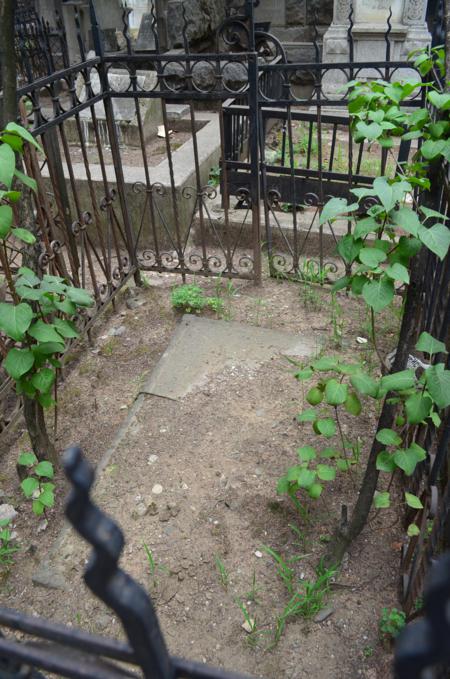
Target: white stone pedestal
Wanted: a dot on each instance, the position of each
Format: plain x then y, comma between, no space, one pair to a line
409,31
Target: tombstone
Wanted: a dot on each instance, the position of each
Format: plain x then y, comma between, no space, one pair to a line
146,38
292,22
124,109
409,31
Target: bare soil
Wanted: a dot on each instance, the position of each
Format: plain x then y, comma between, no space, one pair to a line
217,454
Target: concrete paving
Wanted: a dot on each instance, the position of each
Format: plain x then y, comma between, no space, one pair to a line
201,346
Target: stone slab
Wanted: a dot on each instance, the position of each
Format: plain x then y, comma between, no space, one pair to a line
201,347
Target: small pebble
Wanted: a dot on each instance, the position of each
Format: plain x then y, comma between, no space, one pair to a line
258,554
157,489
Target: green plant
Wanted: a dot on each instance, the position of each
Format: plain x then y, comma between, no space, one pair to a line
153,567
6,548
307,599
379,253
311,271
391,623
214,176
310,297
223,573
252,594
36,486
38,322
284,570
191,298
249,624
337,321
368,651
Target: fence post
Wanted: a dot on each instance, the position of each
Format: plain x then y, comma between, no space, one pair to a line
254,122
114,141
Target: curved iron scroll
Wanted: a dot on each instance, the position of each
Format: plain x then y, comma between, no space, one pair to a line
108,582
425,644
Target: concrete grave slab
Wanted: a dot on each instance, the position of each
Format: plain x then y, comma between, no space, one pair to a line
201,347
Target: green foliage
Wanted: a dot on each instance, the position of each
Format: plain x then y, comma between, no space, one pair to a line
7,548
391,623
190,298
223,573
37,323
36,487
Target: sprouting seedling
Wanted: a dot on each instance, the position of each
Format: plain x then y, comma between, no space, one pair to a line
284,571
249,623
6,548
35,487
252,594
153,567
223,573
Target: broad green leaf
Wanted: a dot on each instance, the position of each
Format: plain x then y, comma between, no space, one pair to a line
384,191
306,453
23,133
6,217
44,332
65,328
438,384
428,212
43,380
25,179
329,453
80,297
325,364
47,497
413,501
353,404
407,459
306,478
382,500
349,248
417,407
371,256
432,149
335,393
413,530
340,284
365,226
343,465
385,462
293,472
44,468
29,486
436,420
379,293
66,306
308,415
304,374
24,235
7,165
15,320
429,345
46,400
365,384
27,276
407,219
48,348
282,485
441,101
405,379
18,362
388,437
327,427
369,131
38,507
315,490
334,208
436,239
27,459
325,472
398,272
358,282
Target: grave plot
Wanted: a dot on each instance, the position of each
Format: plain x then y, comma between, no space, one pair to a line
192,420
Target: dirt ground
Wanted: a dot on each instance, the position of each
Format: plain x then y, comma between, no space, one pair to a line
217,455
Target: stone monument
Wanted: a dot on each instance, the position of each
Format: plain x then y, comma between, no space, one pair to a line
409,31
293,21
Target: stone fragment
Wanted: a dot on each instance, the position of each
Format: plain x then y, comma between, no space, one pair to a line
7,512
248,625
49,578
324,614
157,489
